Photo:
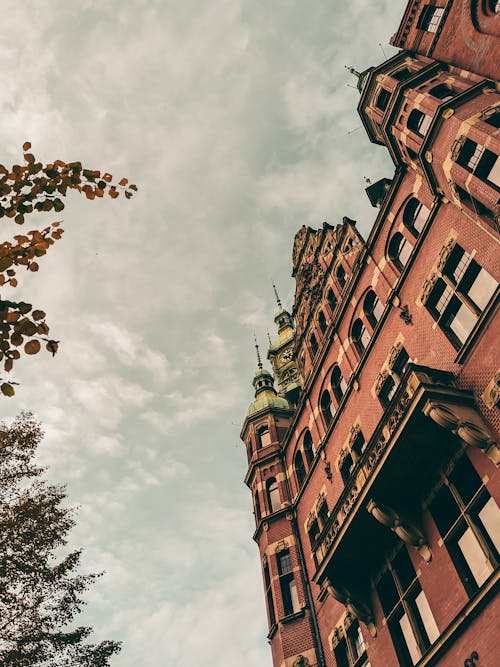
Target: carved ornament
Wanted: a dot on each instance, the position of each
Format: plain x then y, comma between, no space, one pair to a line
300,661
394,354
381,378
445,253
353,434
427,287
457,146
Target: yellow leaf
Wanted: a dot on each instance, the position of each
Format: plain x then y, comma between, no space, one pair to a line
7,389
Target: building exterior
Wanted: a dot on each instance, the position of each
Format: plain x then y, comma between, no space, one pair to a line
373,445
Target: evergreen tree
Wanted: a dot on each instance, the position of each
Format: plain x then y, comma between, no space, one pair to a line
40,588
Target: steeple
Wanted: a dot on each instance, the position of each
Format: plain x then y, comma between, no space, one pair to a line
282,318
265,392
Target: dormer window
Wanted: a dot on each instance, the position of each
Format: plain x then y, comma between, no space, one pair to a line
430,18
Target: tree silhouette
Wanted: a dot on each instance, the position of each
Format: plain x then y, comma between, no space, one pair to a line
40,589
26,189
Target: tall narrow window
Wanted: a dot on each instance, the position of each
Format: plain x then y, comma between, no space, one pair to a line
400,250
415,216
322,322
468,519
359,445
393,377
351,649
442,92
269,597
430,18
308,447
346,468
360,336
460,295
338,384
372,308
287,584
480,161
401,74
257,506
326,407
409,617
341,276
314,344
273,495
300,470
383,99
419,122
332,299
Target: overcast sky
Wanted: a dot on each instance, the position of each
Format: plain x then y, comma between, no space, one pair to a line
236,120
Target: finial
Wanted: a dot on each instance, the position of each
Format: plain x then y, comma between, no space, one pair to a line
367,180
353,71
269,338
276,294
259,360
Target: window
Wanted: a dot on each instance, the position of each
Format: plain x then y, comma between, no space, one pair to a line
480,161
257,506
264,437
391,378
493,6
415,215
326,407
287,584
411,154
493,120
346,468
308,447
323,514
430,18
313,531
400,250
409,617
341,275
300,470
359,445
360,336
468,519
273,495
338,384
442,92
383,99
460,295
372,308
418,122
269,597
332,299
322,322
351,648
314,344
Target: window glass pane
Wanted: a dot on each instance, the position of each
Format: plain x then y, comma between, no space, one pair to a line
341,655
462,323
490,518
265,437
359,644
427,618
405,251
482,289
387,593
424,124
403,567
378,309
444,510
494,175
294,598
441,295
465,479
475,557
409,637
420,218
285,563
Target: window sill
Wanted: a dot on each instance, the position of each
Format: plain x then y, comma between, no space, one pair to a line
272,631
292,617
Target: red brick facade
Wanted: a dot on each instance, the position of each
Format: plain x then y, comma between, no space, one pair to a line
375,485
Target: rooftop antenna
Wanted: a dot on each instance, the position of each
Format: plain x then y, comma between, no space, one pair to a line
259,360
277,297
269,338
355,130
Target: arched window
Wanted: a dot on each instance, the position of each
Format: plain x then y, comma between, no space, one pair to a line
400,250
338,384
308,447
332,299
273,495
360,335
257,506
372,308
326,407
418,122
415,215
322,322
341,275
264,437
314,344
300,470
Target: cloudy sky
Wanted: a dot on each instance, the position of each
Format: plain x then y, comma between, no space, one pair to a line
237,120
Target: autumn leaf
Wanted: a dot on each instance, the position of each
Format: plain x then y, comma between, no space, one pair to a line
38,314
52,346
7,389
26,146
32,347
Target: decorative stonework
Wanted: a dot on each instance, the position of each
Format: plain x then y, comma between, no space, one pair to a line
379,382
427,287
457,147
281,546
353,434
403,528
301,661
491,395
444,254
394,354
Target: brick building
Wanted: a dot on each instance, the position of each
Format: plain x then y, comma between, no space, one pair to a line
372,447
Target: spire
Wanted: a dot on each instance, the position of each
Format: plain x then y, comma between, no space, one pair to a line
361,76
277,296
353,71
259,360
